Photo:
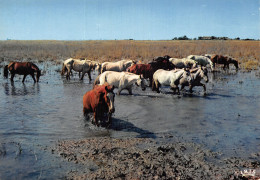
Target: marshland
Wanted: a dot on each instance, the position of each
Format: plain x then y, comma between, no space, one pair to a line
44,134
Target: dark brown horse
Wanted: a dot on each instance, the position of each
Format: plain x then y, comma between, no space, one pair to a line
147,70
22,68
100,101
219,59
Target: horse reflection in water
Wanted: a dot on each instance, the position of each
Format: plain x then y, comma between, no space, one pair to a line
22,68
20,90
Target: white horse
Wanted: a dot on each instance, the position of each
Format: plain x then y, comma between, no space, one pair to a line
169,78
202,60
118,66
121,80
183,63
84,66
197,75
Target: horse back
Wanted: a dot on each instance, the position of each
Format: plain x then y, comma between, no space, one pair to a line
144,69
219,59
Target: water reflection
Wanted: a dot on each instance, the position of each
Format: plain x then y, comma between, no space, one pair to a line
22,89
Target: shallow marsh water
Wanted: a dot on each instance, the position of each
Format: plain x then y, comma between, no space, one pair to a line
33,117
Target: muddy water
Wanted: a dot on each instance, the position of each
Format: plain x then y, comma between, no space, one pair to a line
35,116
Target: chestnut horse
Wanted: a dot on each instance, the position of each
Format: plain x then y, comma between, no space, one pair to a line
22,68
100,101
219,59
147,70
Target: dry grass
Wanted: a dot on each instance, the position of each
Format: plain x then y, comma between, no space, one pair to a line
243,51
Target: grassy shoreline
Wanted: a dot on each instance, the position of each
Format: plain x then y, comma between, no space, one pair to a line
246,52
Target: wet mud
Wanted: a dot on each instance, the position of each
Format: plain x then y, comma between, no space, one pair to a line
41,121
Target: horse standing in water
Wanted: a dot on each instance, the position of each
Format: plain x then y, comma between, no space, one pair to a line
118,66
170,78
197,75
147,70
202,60
121,80
219,59
84,66
99,101
22,68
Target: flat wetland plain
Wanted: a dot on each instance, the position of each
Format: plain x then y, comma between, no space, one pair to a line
43,134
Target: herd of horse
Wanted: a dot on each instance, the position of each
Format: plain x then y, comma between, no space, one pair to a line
161,71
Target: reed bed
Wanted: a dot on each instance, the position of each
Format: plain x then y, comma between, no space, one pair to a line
246,52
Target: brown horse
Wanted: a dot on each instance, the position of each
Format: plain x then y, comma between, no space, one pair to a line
219,59
22,68
100,101
147,70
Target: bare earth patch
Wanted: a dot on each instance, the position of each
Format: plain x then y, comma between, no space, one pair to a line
140,158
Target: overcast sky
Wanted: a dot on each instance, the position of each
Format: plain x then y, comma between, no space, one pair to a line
125,19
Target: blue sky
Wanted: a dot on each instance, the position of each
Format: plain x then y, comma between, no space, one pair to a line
124,19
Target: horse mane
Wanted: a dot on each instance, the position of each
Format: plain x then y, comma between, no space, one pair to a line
10,64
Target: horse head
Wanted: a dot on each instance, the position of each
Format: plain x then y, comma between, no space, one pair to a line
109,97
98,68
37,70
235,62
142,82
186,75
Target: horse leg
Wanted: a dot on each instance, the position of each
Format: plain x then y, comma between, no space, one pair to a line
24,77
182,87
68,74
156,86
33,78
119,91
109,120
178,90
224,67
12,77
89,76
191,88
130,90
96,118
83,74
204,87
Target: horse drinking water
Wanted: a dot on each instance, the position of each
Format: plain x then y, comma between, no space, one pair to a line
22,68
219,59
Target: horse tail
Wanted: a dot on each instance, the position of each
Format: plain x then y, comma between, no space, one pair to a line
6,71
97,81
153,85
